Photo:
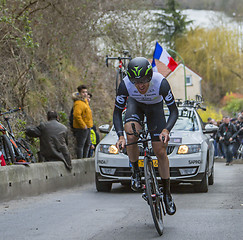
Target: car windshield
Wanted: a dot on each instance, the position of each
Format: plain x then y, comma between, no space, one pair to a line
186,121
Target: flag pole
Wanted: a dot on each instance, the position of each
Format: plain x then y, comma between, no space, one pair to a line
184,70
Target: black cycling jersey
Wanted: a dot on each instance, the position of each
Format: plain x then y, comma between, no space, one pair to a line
152,100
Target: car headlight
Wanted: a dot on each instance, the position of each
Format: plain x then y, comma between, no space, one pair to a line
190,148
108,148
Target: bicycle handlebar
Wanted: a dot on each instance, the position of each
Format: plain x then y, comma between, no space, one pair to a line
11,111
139,141
142,134
116,58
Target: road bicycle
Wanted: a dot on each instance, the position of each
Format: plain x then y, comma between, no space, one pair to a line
121,71
14,150
153,194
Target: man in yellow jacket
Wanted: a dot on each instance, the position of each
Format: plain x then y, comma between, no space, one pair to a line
82,121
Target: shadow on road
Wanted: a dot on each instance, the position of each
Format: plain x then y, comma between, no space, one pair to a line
178,188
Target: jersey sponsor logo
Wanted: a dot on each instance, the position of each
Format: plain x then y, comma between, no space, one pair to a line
136,116
119,107
120,99
151,90
152,94
169,96
146,99
137,71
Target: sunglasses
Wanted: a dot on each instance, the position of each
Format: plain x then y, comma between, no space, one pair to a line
140,80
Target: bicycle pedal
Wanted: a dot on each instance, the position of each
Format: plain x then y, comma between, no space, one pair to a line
144,196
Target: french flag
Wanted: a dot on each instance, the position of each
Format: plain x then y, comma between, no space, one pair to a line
163,56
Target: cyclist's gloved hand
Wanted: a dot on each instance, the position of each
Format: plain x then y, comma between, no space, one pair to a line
164,136
121,143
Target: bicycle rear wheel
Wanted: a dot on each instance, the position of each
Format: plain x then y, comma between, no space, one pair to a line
8,151
153,195
119,77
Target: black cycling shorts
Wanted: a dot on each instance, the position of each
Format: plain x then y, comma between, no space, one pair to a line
154,113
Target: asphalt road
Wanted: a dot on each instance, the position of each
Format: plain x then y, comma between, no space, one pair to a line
84,214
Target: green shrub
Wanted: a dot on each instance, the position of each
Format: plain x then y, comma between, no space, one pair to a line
234,106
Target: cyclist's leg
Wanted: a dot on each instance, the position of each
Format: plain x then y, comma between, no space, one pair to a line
163,162
156,123
164,171
132,150
133,115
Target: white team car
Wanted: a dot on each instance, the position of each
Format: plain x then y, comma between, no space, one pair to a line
190,152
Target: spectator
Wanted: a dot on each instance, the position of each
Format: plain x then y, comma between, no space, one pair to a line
95,139
214,136
94,135
220,152
209,120
82,121
233,120
53,140
89,96
227,132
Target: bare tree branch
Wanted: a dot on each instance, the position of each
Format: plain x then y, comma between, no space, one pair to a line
25,8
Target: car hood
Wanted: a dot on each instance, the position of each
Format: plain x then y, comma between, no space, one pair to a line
178,137
110,138
186,137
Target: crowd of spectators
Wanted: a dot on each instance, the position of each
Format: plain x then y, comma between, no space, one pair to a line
228,137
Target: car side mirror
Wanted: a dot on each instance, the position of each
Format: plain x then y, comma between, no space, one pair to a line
210,128
104,128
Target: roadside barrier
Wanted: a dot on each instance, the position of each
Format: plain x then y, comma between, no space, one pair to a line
17,181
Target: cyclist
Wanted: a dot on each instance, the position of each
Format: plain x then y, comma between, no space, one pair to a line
144,90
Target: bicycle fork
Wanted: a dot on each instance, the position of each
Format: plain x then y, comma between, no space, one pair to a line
154,196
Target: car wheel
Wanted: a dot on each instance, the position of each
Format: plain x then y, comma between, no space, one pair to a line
102,186
211,178
203,185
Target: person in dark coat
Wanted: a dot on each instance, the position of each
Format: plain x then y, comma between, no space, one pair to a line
227,133
53,139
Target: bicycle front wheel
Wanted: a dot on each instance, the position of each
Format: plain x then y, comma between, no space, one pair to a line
153,194
8,151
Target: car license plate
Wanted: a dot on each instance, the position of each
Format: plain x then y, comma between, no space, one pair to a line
141,163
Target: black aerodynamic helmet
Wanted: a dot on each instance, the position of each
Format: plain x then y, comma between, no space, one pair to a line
139,70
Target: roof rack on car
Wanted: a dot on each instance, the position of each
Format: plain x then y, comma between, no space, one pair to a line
191,103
